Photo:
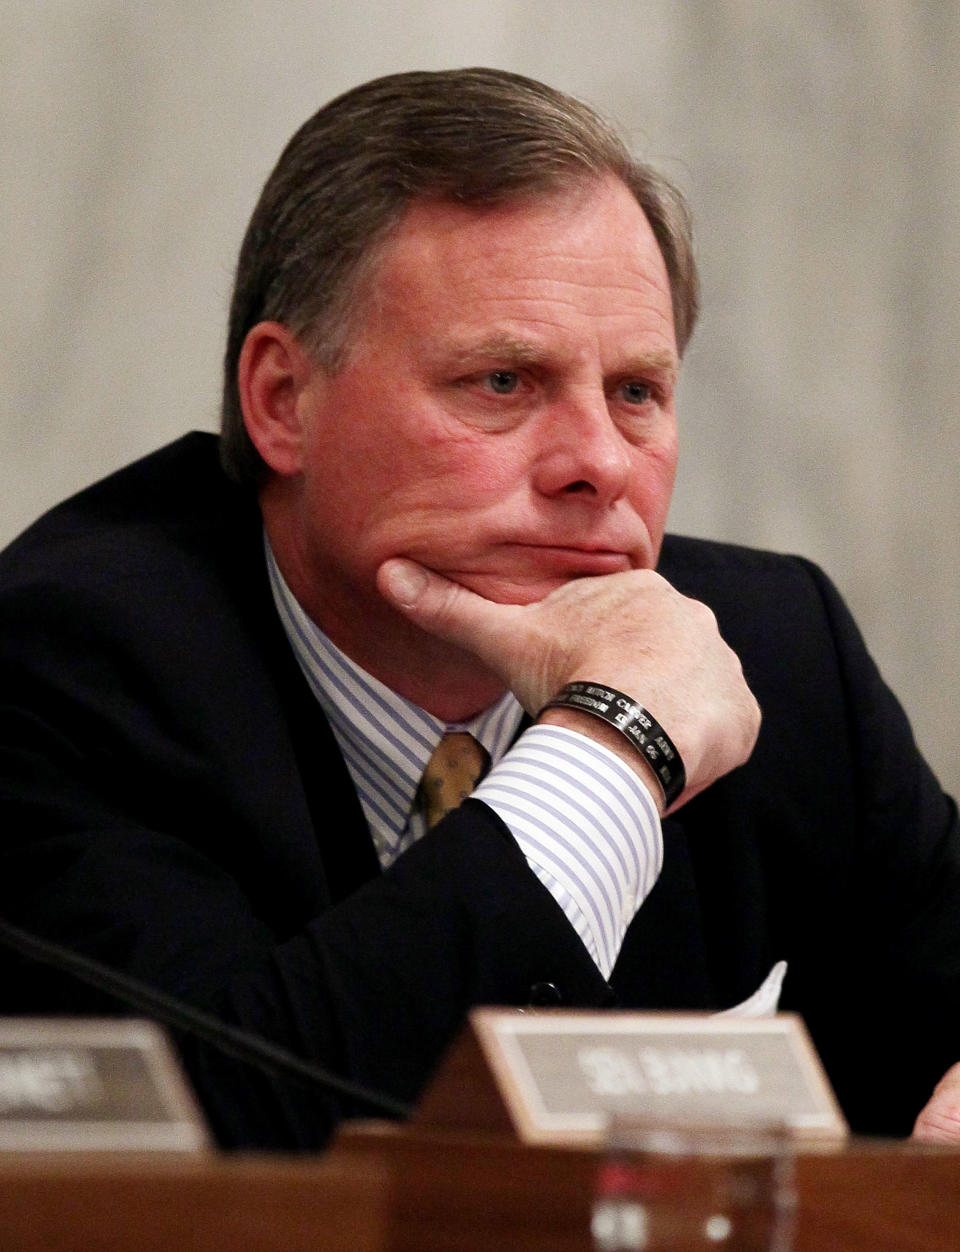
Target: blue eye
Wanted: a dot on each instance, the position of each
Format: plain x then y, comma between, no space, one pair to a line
503,382
637,393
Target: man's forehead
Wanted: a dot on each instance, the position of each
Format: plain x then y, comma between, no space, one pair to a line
591,244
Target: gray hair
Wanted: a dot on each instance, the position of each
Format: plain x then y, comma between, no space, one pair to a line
478,137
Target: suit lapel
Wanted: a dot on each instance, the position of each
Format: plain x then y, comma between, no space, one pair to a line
341,831
331,816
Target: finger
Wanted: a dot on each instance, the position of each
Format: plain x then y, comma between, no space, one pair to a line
939,1122
447,609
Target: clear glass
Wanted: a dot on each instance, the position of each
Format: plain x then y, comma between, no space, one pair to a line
694,1188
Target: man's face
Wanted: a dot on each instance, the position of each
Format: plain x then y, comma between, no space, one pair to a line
505,414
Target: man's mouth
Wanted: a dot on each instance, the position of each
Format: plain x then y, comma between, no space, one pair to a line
568,560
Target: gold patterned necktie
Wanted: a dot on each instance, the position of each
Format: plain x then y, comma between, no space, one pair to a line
457,765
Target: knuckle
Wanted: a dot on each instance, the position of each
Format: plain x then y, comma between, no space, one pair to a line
707,616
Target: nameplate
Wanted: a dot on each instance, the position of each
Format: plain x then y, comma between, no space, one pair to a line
557,1076
81,1085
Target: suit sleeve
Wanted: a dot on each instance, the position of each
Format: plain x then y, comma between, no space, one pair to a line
895,1026
834,847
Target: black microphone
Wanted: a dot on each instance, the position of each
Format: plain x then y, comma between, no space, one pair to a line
178,1015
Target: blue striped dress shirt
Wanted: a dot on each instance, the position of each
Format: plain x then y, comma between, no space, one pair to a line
586,824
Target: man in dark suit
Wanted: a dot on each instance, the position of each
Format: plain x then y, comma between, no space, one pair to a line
449,440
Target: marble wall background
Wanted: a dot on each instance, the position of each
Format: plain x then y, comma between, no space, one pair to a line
818,141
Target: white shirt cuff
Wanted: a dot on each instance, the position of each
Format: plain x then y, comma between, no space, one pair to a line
586,824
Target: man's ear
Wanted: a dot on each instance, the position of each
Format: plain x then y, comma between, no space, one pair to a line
274,377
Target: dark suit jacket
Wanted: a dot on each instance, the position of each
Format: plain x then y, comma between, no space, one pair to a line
172,802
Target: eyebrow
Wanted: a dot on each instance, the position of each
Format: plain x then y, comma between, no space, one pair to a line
663,361
522,352
502,345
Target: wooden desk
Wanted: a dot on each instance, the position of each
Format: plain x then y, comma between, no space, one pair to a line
476,1194
118,1203
387,1190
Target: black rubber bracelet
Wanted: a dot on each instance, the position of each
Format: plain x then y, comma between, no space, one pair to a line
635,723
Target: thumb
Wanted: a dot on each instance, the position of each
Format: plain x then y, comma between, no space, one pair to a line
445,608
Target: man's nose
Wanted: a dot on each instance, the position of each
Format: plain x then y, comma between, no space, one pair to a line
582,450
